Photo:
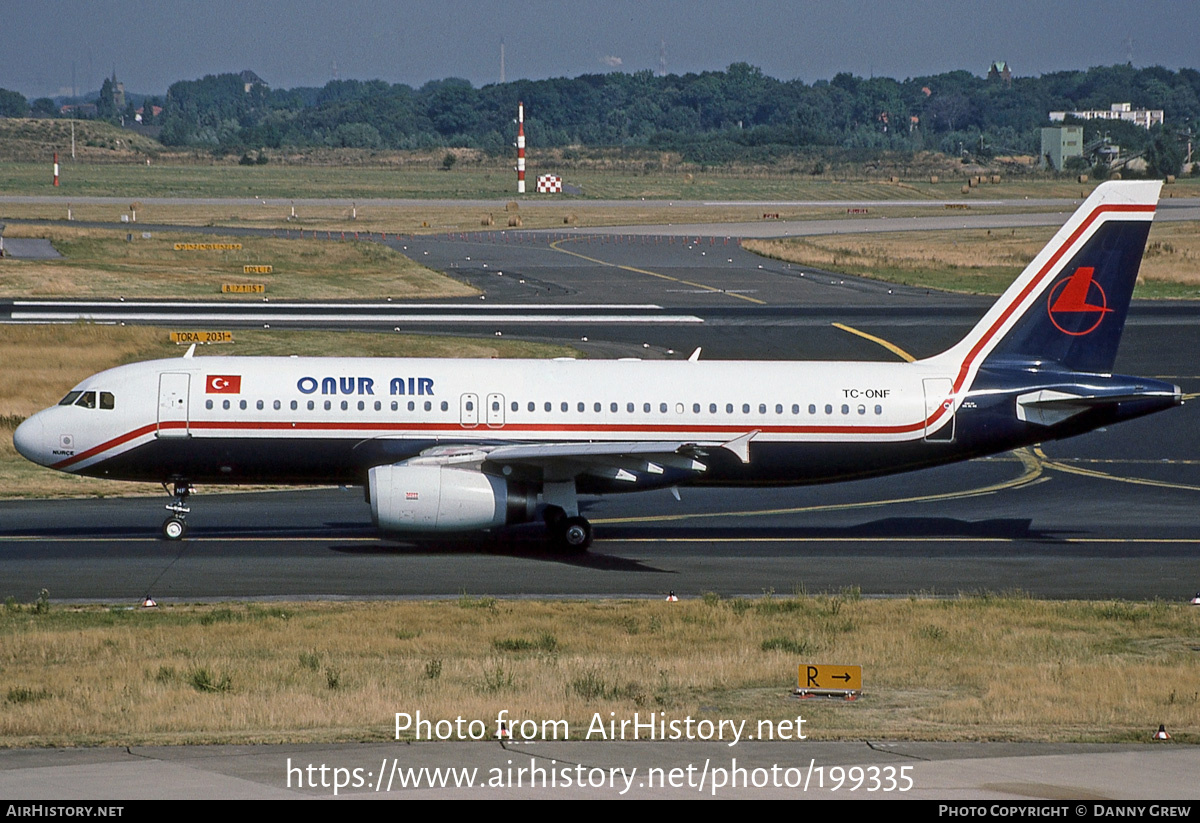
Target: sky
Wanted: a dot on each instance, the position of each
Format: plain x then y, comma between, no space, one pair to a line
289,43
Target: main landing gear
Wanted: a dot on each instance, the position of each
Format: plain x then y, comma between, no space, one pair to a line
568,535
175,526
568,532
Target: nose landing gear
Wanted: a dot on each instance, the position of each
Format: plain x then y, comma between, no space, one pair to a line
175,526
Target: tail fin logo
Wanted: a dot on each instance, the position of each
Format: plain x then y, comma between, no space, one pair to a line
1073,300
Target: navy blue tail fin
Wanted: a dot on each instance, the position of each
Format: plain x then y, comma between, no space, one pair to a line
1068,307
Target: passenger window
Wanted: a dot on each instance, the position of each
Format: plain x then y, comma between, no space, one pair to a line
862,409
412,406
565,406
629,408
662,407
311,405
106,400
548,406
515,405
612,407
712,408
745,408
845,409
378,405
259,405
646,408
295,405
729,408
879,409
695,408
225,405
242,405
812,408
828,408
395,405
362,406
445,406
208,405
596,407
795,408
762,408
581,408
328,405
345,405
470,406
532,406
428,406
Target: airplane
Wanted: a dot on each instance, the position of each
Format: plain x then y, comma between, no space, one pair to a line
457,446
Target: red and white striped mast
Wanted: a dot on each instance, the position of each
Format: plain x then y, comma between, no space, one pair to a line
520,148
56,168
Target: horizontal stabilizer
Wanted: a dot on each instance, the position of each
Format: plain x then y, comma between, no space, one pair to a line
1047,407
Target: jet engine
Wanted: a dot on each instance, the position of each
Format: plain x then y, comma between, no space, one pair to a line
415,499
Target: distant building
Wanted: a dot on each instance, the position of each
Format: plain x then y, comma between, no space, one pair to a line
250,79
80,109
1059,144
1117,111
118,93
1000,71
154,110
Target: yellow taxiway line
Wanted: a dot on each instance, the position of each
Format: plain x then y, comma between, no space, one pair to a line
715,290
892,347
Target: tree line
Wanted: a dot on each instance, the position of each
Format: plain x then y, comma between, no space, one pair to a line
712,117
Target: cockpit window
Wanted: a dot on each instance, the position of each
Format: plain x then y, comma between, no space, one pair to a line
87,399
106,400
70,398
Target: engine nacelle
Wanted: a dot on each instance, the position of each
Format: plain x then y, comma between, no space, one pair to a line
416,499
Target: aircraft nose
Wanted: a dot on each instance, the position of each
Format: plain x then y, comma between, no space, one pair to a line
30,439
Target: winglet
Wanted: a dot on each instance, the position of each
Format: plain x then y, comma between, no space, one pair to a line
694,355
740,446
191,350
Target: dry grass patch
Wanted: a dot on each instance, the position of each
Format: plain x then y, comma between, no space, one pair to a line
103,263
969,668
982,261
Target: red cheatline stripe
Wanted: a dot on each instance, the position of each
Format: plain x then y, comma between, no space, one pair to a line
112,444
452,428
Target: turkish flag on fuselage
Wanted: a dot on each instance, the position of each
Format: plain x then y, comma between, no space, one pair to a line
223,384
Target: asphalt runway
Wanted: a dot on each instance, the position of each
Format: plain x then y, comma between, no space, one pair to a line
1111,514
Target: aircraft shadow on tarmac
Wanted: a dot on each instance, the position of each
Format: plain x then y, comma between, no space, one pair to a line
524,542
893,536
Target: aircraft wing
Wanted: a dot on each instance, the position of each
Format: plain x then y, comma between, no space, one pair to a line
630,461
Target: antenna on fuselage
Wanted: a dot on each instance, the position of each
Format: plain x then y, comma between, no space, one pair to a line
694,355
191,350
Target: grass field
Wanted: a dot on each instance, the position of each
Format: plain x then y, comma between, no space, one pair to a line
103,263
418,177
332,221
969,668
982,261
64,355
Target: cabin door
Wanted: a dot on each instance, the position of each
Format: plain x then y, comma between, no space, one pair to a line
469,411
495,411
173,405
939,409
